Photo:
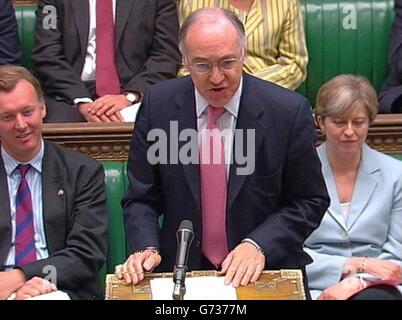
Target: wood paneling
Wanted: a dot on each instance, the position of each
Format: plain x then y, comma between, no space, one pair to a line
24,2
112,141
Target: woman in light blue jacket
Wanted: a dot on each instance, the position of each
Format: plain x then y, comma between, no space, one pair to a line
357,249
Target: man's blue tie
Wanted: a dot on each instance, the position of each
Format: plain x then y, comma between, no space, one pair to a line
25,251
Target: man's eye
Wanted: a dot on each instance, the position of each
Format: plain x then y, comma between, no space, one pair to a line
5,117
227,64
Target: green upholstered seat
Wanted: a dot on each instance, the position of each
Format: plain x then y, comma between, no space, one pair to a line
333,49
26,24
336,47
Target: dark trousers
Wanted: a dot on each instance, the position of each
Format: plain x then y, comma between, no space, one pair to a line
378,292
59,110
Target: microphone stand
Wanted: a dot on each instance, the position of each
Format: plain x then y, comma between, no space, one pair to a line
184,236
179,289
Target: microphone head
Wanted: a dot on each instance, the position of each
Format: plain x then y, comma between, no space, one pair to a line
185,231
186,225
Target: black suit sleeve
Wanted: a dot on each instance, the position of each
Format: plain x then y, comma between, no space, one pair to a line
391,92
48,55
143,199
10,47
163,58
304,194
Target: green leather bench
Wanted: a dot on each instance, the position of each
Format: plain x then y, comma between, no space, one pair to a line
333,49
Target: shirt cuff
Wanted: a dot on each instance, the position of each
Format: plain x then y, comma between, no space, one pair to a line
82,100
253,243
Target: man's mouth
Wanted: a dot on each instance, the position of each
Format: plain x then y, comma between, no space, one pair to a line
23,136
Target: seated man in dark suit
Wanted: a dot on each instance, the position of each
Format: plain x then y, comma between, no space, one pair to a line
391,92
102,55
53,215
10,47
248,215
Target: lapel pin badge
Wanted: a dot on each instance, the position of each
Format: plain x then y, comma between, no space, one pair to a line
60,192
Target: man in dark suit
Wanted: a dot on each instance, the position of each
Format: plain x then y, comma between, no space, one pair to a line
61,244
270,207
65,55
391,92
10,47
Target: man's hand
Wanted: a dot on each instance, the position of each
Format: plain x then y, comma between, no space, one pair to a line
132,271
84,109
243,265
110,105
104,109
35,287
10,282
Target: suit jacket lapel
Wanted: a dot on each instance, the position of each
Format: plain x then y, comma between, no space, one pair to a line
123,9
80,11
5,218
186,117
53,196
248,118
334,209
365,186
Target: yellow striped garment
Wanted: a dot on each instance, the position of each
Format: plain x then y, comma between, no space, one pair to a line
276,46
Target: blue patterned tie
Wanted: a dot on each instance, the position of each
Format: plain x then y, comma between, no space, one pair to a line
25,252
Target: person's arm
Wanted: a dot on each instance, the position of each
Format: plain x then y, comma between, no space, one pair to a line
79,262
392,248
142,204
290,68
390,95
56,73
163,58
10,46
303,193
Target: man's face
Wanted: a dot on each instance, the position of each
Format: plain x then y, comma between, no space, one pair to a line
21,114
217,44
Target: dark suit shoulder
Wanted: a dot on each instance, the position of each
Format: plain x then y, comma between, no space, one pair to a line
71,159
269,89
172,87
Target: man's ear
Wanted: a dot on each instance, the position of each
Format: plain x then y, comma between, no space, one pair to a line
43,110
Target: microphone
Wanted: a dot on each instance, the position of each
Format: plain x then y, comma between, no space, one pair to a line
184,237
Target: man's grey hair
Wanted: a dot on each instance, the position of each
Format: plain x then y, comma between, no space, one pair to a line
206,14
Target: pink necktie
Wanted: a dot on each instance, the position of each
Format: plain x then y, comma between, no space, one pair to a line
213,190
25,251
107,79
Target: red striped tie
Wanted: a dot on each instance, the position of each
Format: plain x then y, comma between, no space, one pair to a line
25,251
107,78
213,190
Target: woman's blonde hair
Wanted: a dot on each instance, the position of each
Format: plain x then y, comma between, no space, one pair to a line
343,94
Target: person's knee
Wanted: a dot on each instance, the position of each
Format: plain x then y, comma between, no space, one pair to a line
58,111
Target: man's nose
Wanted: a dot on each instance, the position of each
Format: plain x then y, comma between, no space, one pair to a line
216,75
20,122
